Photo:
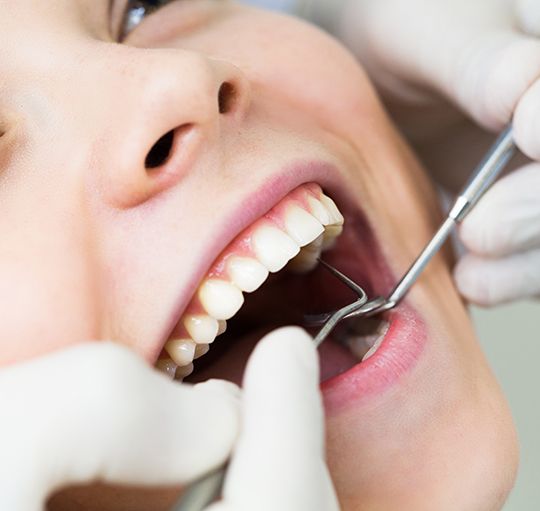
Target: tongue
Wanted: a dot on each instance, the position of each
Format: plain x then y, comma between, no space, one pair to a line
335,359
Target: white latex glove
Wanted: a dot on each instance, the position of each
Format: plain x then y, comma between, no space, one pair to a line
98,412
503,235
451,71
278,463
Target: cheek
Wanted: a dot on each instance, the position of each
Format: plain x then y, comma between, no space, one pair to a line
46,294
317,75
41,313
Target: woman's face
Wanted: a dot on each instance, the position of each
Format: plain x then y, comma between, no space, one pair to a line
106,236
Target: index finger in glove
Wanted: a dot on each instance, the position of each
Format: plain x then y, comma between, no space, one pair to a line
279,459
489,281
528,14
99,412
526,122
507,218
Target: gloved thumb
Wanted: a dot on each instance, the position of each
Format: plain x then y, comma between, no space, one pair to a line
99,412
278,461
528,15
507,219
487,282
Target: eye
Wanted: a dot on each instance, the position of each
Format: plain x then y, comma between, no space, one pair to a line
136,11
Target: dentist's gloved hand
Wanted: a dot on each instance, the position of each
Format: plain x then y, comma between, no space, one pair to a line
503,236
278,461
98,412
453,72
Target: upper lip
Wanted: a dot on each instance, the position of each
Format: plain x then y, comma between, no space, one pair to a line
241,215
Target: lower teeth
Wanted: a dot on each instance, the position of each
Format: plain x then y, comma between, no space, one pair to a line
364,337
377,344
184,372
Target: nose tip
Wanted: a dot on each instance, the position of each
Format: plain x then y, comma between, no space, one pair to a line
175,114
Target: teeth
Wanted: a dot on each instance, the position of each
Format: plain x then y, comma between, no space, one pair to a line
167,366
220,299
315,246
382,330
222,327
359,346
200,350
306,231
374,348
301,226
273,248
308,257
248,274
202,328
304,262
335,214
181,351
331,234
319,211
364,346
184,372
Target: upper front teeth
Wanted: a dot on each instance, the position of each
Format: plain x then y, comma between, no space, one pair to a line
295,231
319,210
330,217
246,273
220,299
335,213
182,351
273,248
201,327
302,226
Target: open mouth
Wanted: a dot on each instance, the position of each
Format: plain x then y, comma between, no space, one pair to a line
269,276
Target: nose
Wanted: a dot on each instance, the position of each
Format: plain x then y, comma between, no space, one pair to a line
167,109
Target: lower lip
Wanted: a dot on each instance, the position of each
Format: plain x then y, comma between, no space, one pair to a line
399,352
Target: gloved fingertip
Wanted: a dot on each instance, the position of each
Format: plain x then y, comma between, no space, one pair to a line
287,345
208,419
528,14
220,387
468,232
221,399
472,282
487,282
288,352
289,335
526,123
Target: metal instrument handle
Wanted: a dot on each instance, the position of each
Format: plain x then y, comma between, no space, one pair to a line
202,492
482,178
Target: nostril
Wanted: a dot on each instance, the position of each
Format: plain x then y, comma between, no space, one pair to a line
226,97
160,151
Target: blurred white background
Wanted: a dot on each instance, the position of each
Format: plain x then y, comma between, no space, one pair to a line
511,339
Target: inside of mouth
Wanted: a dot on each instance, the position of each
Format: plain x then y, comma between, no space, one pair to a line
286,297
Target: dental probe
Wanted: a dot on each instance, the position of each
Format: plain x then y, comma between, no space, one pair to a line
204,491
481,180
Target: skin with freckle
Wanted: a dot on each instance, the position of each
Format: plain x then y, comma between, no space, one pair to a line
96,246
